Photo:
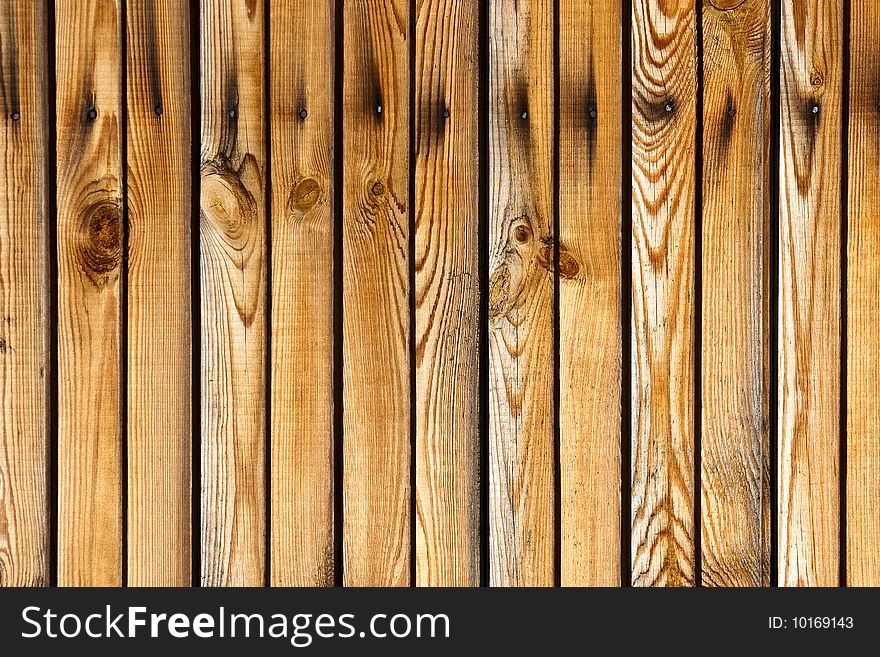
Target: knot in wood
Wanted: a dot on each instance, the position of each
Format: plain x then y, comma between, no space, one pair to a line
100,237
522,233
377,189
304,195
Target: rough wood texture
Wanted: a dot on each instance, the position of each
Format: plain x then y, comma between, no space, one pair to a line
863,290
301,119
233,291
90,239
24,298
663,177
589,291
809,293
521,361
735,442
447,294
375,274
159,322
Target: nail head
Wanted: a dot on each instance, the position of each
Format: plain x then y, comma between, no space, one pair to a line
303,113
158,110
15,116
815,109
592,112
93,113
445,113
669,106
524,115
378,109
232,114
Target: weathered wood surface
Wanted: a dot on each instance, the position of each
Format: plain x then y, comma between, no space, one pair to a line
233,294
301,117
376,287
589,291
447,293
664,85
159,302
735,345
863,290
809,292
521,243
24,297
90,260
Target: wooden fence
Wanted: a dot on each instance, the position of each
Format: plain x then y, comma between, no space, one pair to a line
449,317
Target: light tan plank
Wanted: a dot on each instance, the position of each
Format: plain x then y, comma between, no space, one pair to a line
233,291
735,440
809,293
24,297
589,291
159,316
521,362
301,119
663,185
447,294
375,279
863,291
90,235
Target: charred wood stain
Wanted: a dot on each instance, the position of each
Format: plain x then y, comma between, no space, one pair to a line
154,70
99,241
9,72
591,115
727,121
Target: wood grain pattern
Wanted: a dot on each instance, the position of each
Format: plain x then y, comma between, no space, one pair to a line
809,293
863,290
521,362
375,275
447,294
735,440
159,322
90,240
664,85
233,291
589,291
24,298
301,119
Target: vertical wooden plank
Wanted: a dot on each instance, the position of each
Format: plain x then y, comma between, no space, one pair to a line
735,442
301,124
809,292
664,87
447,294
863,290
24,298
521,362
375,278
90,236
159,316
589,291
233,290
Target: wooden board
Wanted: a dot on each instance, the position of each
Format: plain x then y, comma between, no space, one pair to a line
90,241
24,297
375,279
809,293
664,86
301,119
447,294
863,290
521,362
159,321
735,345
233,294
589,292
